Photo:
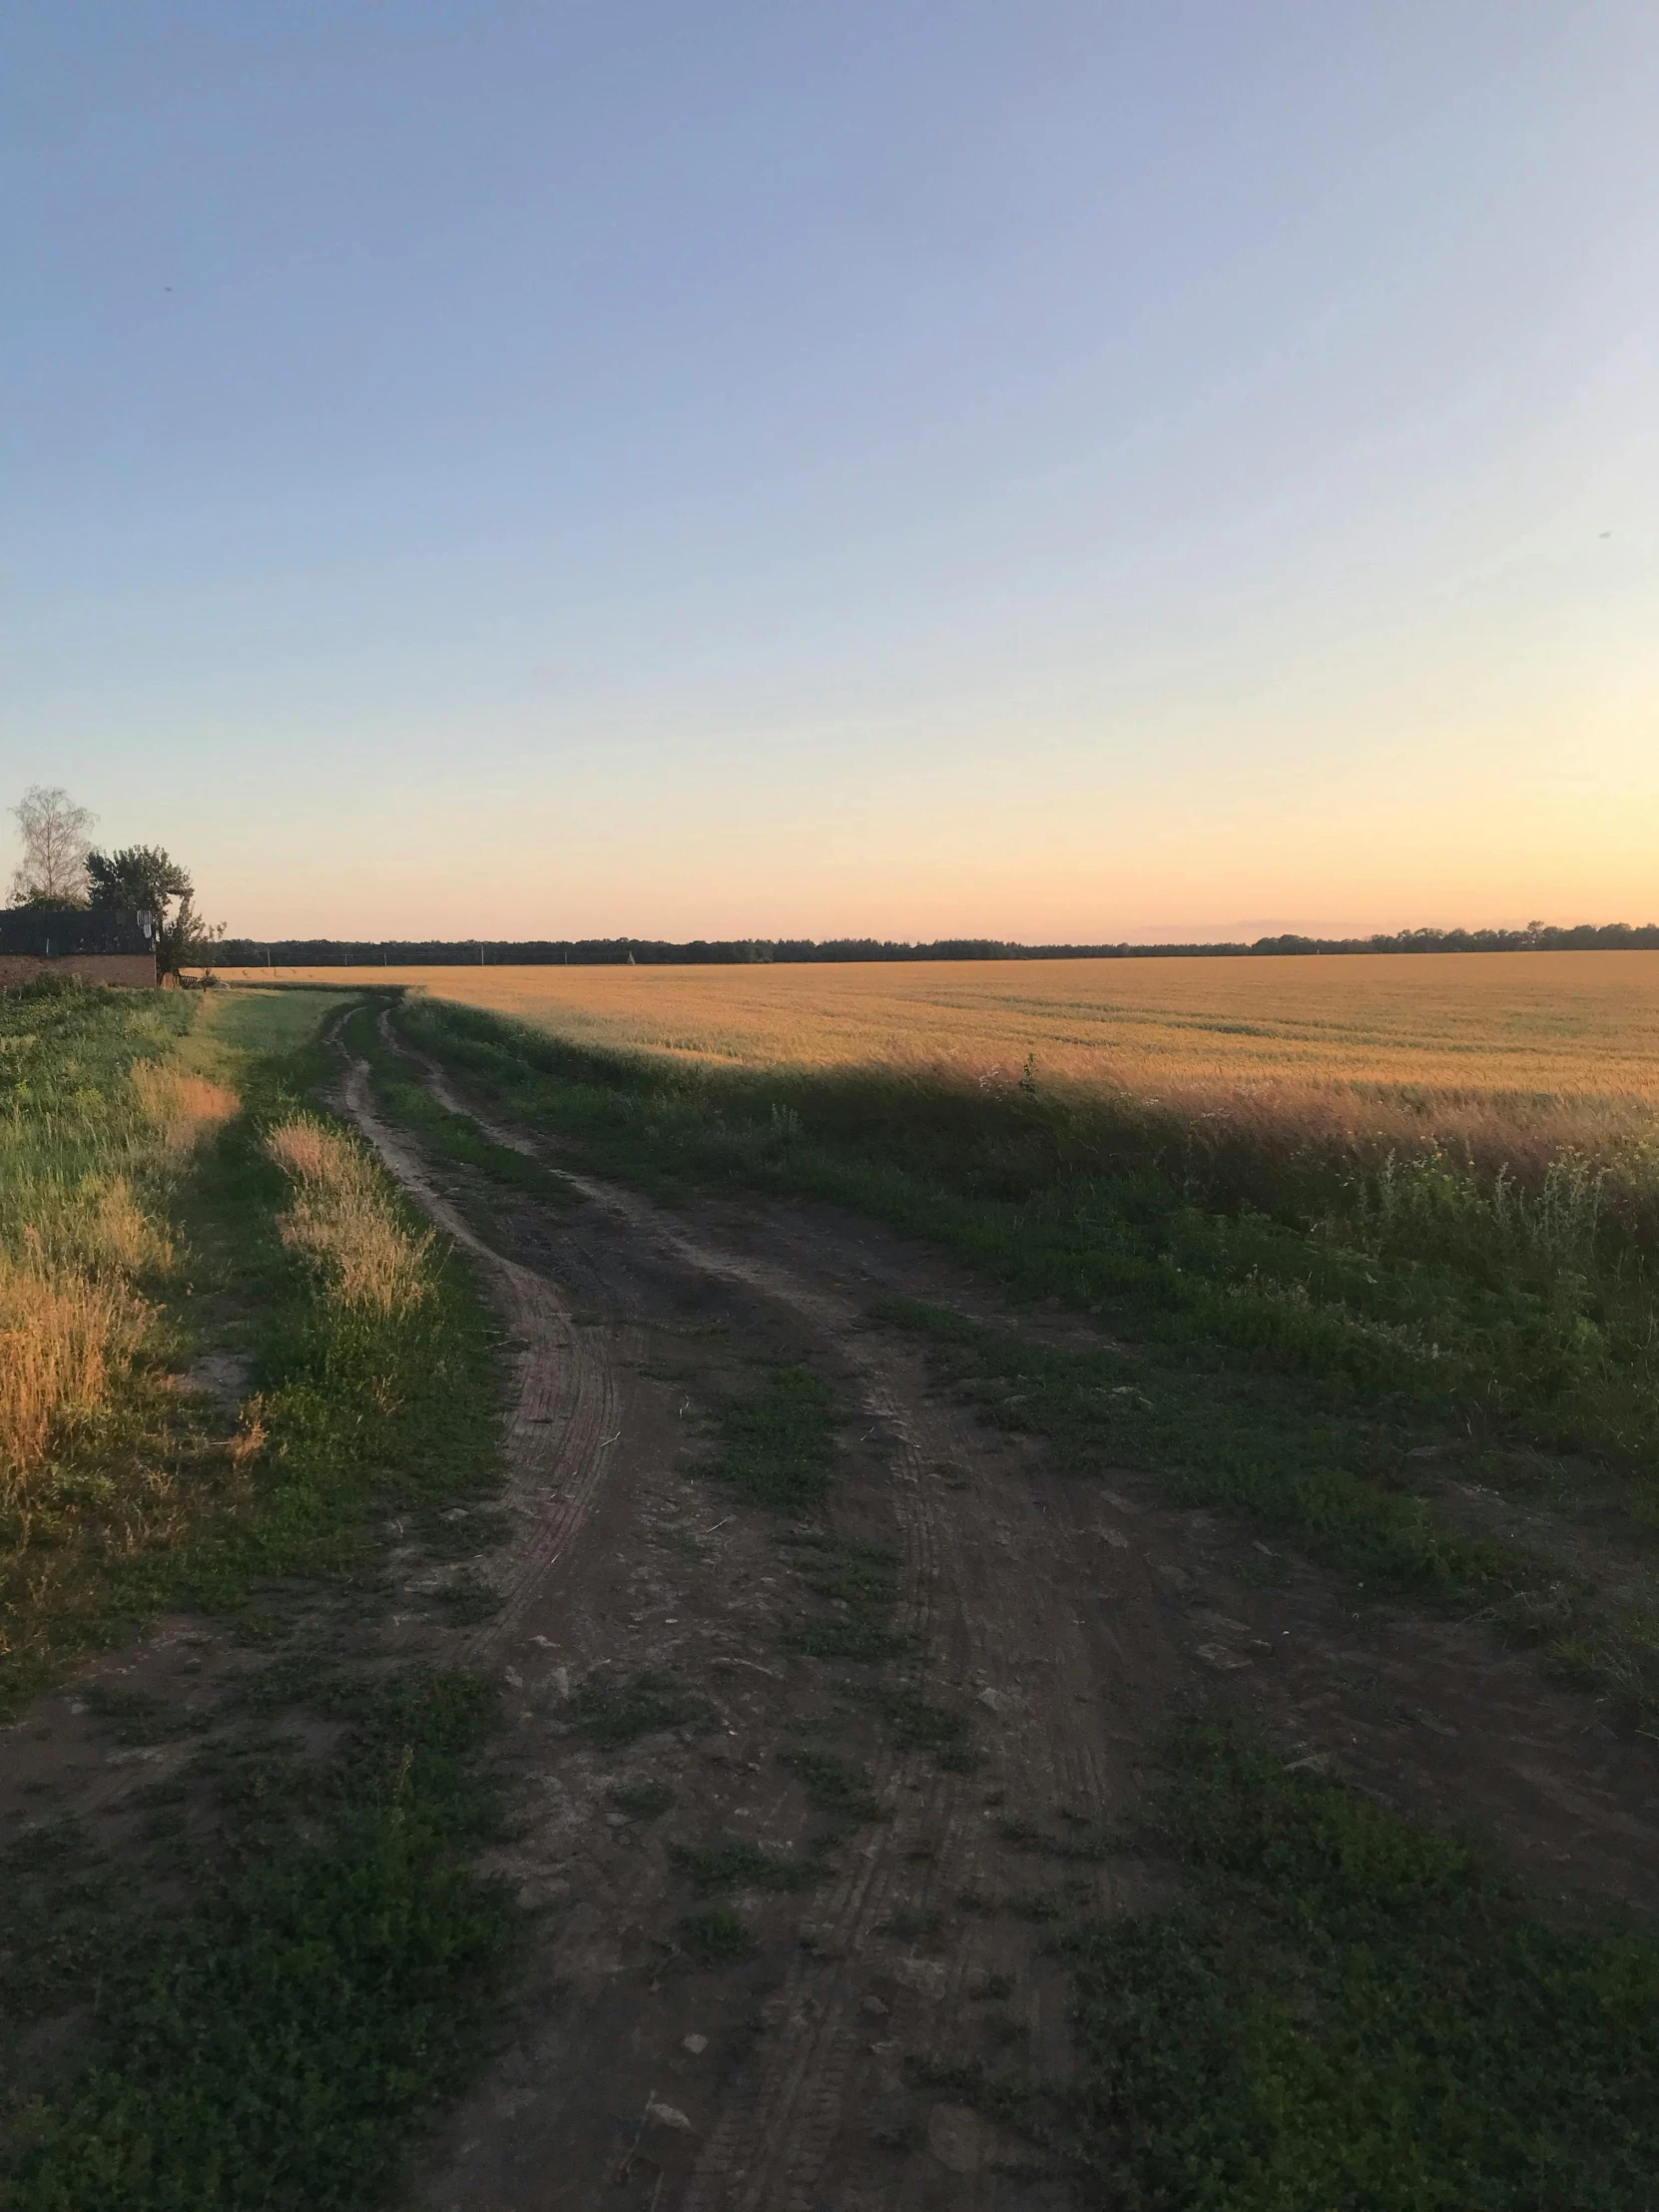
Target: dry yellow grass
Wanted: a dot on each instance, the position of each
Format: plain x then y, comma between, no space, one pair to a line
64,1336
71,1321
340,1221
182,1108
1522,1052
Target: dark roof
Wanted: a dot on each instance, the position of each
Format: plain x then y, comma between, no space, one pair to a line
48,932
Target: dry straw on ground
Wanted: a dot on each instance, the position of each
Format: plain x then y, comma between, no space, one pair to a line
342,1221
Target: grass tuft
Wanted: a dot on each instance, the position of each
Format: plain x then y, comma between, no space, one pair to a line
915,1725
777,1444
732,1863
717,1937
613,1714
833,1785
642,1801
342,1221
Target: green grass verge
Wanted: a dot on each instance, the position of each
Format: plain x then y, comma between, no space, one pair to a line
278,2039
1348,2008
264,1999
359,1417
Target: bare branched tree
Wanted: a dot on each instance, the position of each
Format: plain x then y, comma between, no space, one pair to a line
53,870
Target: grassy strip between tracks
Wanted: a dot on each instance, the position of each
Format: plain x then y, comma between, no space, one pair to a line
1302,1338
1346,2008
260,1993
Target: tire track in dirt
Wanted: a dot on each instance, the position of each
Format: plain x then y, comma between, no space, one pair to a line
966,1561
562,1419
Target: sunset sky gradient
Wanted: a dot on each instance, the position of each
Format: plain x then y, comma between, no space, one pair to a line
1056,471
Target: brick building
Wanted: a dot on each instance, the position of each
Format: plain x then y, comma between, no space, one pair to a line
97,943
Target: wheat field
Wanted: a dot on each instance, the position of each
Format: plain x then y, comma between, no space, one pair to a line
1459,1027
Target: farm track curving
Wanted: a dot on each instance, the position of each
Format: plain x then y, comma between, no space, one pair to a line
969,1562
563,1406
1066,1618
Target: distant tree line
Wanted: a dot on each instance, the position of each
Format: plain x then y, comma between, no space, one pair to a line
737,952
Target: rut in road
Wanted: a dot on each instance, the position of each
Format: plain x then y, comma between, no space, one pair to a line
1064,1691
564,1400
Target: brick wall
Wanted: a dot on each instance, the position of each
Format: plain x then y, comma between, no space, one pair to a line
134,972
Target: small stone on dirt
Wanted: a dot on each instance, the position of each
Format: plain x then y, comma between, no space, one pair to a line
1113,1536
515,1681
667,2115
696,2044
997,1701
874,2007
1222,1660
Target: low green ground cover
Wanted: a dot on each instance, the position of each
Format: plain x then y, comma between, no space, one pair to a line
1346,2008
268,1998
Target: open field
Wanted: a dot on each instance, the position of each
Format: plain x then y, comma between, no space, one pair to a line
1516,1055
1549,1022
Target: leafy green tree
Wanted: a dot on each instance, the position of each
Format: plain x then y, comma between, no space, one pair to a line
144,878
140,879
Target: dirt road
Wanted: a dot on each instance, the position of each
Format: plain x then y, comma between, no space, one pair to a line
1063,1619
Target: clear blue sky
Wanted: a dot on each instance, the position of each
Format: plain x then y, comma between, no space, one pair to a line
1047,470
